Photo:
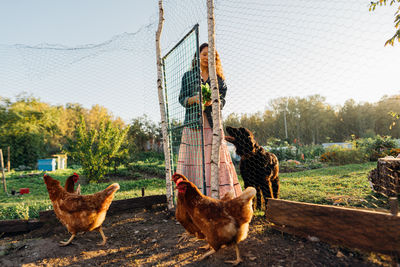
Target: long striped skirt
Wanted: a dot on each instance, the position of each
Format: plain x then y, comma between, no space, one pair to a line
190,161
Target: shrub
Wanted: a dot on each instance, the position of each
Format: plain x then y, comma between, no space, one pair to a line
341,156
393,152
96,148
377,147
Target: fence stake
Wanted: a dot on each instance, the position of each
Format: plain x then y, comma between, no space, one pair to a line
8,159
142,191
394,205
2,172
217,126
162,109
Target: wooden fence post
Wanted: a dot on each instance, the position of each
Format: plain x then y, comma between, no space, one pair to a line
8,159
2,171
217,126
162,108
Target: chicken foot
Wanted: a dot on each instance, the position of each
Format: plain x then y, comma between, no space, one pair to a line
206,246
184,237
63,244
100,229
238,258
212,251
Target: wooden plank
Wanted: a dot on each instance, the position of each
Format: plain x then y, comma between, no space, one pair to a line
2,172
117,206
13,226
364,229
135,203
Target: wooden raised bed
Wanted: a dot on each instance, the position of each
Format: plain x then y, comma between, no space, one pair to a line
355,228
117,206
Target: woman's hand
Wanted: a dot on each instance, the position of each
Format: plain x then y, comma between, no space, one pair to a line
194,99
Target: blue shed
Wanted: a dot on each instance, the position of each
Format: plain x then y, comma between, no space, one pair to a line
47,164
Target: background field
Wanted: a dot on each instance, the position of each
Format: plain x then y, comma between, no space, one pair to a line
338,185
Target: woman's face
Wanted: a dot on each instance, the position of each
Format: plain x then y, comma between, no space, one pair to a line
204,57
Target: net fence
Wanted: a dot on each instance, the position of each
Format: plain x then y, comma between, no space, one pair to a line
292,69
181,83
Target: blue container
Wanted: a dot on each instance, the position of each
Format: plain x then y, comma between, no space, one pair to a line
47,164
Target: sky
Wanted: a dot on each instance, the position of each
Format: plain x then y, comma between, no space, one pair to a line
103,52
72,22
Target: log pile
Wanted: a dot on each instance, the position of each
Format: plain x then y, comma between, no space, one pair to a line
385,178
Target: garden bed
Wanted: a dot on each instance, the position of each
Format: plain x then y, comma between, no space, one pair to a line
150,238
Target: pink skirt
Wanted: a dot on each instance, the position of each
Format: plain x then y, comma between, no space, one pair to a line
190,161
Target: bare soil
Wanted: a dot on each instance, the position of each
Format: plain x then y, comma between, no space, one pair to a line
148,238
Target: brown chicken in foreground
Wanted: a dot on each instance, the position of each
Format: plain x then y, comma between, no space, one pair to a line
70,184
184,219
80,213
222,222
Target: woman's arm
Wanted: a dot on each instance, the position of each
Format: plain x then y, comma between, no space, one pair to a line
188,89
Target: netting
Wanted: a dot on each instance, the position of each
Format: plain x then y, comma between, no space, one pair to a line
290,67
185,127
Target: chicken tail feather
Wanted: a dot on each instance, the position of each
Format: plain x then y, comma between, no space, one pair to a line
112,189
248,194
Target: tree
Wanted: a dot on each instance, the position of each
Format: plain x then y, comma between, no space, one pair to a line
141,131
372,7
27,126
95,148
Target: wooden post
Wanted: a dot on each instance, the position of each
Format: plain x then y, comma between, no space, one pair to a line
162,109
8,159
2,171
394,205
142,191
217,126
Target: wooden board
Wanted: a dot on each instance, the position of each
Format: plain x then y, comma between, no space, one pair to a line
356,228
116,206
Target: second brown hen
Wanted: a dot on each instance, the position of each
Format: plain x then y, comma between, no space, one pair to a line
221,222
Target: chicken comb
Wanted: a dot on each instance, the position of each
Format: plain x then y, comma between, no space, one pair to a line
75,174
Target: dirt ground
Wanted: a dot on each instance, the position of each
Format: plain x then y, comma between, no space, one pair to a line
149,238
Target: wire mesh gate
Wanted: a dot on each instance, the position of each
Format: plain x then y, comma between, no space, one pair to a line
182,81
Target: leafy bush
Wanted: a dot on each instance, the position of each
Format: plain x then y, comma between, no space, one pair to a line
311,152
284,151
341,156
376,147
392,152
295,166
95,148
26,148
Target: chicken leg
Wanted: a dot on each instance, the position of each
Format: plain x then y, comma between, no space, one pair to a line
184,237
63,244
238,258
100,229
212,251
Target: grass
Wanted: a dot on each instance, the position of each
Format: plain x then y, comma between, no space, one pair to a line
346,185
340,185
28,205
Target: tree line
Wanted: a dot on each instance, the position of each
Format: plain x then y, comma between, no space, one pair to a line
34,129
311,120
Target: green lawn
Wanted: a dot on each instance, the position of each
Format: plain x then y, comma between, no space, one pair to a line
29,205
343,185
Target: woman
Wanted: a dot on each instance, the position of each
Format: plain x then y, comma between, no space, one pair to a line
190,153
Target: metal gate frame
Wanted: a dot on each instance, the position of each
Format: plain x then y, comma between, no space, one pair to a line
173,129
